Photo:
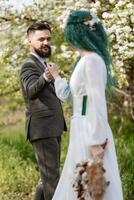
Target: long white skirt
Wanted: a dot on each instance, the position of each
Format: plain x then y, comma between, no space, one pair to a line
78,150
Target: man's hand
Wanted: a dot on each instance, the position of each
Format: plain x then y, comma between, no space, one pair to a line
53,69
47,74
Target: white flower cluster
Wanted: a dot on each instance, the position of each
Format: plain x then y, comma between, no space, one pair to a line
118,19
119,25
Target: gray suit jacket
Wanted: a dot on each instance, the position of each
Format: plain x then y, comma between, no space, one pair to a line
44,115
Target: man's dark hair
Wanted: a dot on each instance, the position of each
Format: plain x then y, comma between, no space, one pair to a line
38,26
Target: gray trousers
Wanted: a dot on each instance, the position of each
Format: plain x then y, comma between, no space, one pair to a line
47,152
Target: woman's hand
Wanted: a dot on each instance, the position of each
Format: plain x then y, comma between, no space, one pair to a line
53,69
97,151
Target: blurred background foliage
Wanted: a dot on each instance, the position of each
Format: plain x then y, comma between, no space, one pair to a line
17,167
118,18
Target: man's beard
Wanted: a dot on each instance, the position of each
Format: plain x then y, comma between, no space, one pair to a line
42,53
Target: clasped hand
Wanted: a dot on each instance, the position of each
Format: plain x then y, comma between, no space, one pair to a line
51,71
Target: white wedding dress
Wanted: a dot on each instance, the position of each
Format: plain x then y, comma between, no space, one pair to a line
89,125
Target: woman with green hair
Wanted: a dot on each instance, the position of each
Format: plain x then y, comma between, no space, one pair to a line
90,135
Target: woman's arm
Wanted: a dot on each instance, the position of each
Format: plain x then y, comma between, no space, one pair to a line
95,80
62,87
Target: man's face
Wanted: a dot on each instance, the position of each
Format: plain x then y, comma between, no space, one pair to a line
40,43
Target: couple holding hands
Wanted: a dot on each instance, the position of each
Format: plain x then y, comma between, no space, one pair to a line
43,88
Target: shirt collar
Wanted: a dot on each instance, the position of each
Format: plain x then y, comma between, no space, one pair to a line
38,57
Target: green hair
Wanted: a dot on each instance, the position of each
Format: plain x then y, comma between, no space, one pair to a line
84,37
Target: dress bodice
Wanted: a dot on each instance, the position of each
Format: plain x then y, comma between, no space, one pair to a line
81,84
88,80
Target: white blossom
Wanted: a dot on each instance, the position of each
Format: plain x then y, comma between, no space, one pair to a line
115,46
125,103
78,4
105,15
97,4
112,29
123,14
127,29
130,5
111,1
131,44
132,18
120,3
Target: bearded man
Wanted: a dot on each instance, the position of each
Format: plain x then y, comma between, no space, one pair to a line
44,116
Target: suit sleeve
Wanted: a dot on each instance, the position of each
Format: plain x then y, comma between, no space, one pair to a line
95,80
32,82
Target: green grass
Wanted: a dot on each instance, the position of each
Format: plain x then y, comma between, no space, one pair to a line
18,174
125,151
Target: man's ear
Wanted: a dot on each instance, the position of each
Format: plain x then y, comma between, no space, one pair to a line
28,40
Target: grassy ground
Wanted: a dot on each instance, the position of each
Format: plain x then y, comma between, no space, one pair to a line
18,174
17,167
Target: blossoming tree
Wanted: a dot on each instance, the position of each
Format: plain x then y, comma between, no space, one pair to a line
118,18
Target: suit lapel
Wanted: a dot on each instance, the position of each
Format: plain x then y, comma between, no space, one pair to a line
38,63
